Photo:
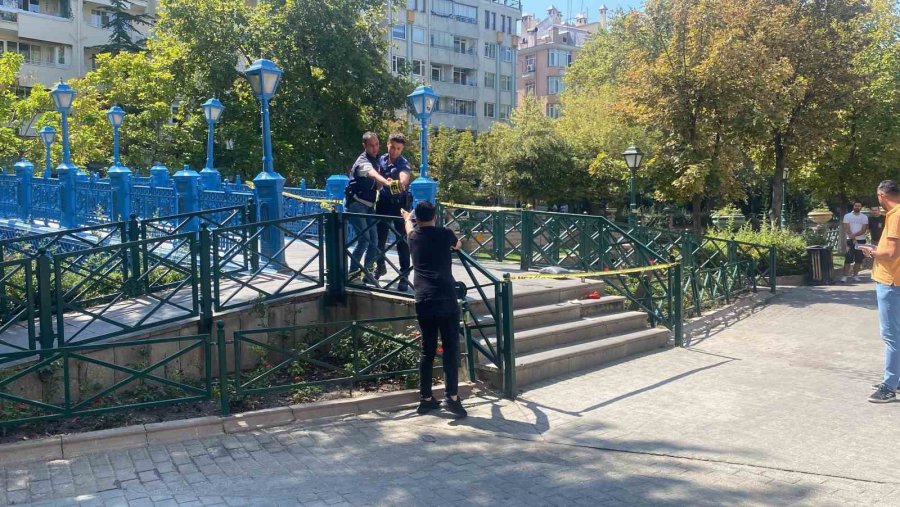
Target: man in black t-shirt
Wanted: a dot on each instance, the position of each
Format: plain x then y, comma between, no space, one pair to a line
436,307
876,224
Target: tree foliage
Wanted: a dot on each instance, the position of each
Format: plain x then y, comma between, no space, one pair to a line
124,25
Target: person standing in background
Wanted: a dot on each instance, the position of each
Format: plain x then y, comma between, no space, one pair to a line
855,225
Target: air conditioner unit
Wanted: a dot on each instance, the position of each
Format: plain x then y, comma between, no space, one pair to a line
529,67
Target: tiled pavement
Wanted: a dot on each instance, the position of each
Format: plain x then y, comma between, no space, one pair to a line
770,410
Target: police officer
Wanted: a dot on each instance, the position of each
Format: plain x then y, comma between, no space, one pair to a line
361,193
392,165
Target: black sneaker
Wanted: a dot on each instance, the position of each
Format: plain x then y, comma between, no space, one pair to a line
426,406
403,286
455,407
380,271
884,394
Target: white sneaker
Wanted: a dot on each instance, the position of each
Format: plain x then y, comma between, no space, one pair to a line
856,278
843,279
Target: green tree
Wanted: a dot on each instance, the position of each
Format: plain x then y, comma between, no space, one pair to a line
529,159
335,84
124,25
796,75
10,144
453,163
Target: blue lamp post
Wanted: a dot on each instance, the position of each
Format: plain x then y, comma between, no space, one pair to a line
209,176
119,175
264,77
48,135
633,158
63,95
423,100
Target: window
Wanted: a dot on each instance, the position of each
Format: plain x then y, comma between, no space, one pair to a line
559,58
416,5
465,107
442,39
462,45
529,63
507,53
418,67
437,73
398,65
101,18
447,105
490,80
553,110
487,19
465,13
489,110
442,7
504,111
506,83
502,23
61,56
554,85
463,76
418,35
399,31
490,50
34,6
493,21
529,88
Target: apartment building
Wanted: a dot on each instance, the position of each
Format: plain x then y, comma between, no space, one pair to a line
58,38
463,49
546,49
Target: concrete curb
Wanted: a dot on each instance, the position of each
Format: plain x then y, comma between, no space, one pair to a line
79,444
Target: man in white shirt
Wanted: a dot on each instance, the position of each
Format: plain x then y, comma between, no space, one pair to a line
855,226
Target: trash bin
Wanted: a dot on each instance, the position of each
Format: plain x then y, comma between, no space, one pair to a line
819,265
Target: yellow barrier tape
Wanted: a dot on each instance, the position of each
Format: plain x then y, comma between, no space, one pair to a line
325,203
594,274
479,208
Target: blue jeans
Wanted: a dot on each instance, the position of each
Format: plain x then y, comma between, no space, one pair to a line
889,320
366,236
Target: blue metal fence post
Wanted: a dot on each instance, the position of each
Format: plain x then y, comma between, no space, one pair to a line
187,190
159,176
67,175
24,175
268,190
335,186
120,181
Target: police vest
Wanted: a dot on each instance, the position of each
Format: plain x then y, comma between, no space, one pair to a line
387,198
361,188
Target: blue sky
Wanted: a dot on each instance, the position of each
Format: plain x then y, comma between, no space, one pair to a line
591,7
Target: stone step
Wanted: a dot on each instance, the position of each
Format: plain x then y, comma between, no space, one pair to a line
567,311
549,293
548,363
565,333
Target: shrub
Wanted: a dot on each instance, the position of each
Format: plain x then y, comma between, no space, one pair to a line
790,246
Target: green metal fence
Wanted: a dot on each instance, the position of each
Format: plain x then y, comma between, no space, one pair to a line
137,380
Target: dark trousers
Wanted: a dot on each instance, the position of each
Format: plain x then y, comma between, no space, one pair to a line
384,226
431,322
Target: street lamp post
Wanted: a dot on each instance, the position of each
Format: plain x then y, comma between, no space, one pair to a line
119,175
633,158
423,100
63,95
784,198
264,77
209,176
48,135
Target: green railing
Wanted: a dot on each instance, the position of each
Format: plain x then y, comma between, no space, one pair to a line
16,301
240,273
493,335
308,358
134,379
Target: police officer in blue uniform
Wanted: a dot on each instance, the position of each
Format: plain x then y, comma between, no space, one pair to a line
361,194
392,165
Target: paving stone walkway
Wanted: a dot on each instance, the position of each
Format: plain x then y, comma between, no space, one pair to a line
766,410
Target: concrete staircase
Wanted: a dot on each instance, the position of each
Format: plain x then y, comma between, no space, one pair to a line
558,331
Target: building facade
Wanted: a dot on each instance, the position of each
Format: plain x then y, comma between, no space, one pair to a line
546,49
58,38
463,49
